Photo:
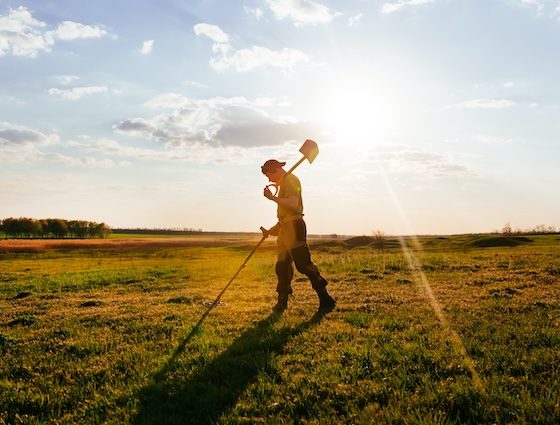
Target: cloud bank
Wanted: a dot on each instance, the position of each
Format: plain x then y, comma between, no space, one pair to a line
76,93
215,122
301,12
391,7
242,60
23,35
411,160
14,135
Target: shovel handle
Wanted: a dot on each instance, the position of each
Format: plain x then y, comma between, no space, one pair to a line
297,164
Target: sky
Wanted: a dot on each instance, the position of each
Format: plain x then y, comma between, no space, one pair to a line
431,116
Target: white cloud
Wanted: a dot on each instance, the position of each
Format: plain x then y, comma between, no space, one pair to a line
217,122
191,153
203,153
213,32
509,84
301,12
67,79
537,4
76,93
167,100
243,60
354,20
407,160
15,135
487,104
87,161
388,7
548,8
114,148
147,47
21,144
69,30
195,84
247,59
23,35
256,12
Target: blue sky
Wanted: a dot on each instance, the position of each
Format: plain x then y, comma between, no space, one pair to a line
432,116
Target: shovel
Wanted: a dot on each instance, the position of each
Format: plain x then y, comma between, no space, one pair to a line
309,150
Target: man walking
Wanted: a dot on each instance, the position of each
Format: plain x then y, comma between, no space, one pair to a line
292,238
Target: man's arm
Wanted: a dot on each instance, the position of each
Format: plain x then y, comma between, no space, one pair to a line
291,202
272,231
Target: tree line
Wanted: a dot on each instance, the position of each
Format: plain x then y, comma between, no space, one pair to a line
539,229
52,228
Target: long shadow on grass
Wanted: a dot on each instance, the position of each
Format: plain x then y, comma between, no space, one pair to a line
173,398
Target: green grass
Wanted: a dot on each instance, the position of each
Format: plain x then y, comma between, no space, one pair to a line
94,335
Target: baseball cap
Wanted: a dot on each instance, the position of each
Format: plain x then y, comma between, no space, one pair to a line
271,165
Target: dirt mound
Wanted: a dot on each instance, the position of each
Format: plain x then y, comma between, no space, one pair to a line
498,241
327,244
358,241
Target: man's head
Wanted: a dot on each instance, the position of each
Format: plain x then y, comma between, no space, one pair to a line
273,170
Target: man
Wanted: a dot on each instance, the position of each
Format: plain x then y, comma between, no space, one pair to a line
292,233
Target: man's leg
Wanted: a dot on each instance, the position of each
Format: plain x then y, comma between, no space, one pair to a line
302,257
285,273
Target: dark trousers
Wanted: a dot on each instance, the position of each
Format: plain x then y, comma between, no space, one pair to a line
292,248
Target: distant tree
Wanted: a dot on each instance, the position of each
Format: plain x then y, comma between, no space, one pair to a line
379,239
91,231
33,227
82,228
44,228
102,230
57,227
12,227
73,229
507,229
539,228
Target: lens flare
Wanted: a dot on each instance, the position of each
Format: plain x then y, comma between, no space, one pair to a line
423,284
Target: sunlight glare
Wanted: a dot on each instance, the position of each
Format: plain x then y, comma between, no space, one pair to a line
357,113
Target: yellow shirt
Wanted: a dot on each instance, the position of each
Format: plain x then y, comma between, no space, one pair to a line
290,187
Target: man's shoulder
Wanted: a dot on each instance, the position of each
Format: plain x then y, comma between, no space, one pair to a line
291,180
290,185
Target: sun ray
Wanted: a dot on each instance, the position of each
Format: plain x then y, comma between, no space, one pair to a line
422,282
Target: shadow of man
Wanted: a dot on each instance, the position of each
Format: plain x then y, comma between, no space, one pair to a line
202,397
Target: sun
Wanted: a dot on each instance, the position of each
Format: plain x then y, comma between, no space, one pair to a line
358,113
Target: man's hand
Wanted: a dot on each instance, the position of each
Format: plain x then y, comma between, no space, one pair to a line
268,194
265,232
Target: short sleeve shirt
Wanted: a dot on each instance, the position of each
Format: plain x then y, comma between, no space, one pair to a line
290,187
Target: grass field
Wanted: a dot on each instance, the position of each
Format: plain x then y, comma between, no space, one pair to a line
441,330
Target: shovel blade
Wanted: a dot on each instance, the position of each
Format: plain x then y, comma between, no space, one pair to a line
309,150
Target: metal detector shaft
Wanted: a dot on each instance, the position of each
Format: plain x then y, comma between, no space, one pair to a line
240,268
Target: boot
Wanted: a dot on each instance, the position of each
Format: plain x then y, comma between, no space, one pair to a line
326,302
281,305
